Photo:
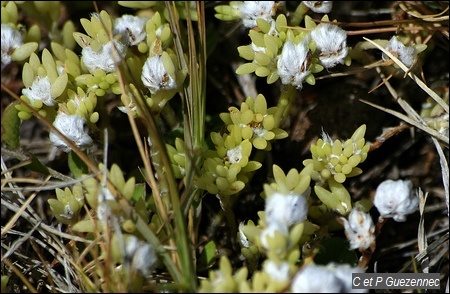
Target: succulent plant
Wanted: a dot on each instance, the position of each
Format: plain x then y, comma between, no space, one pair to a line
338,159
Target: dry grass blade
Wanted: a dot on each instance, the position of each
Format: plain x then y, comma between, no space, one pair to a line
19,241
411,121
24,158
18,213
421,237
21,276
433,246
419,82
51,185
445,172
431,18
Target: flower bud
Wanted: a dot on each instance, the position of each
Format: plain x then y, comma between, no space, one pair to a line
286,210
156,76
73,127
404,53
359,229
331,41
294,62
325,279
319,6
395,199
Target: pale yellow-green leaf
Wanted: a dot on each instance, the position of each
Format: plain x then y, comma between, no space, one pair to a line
328,199
34,34
94,117
272,77
59,85
11,11
27,75
82,39
246,68
88,226
67,34
24,51
310,80
58,51
137,4
246,52
257,38
263,25
262,71
296,233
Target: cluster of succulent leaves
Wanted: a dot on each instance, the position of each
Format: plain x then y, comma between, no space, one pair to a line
433,113
78,88
266,46
248,129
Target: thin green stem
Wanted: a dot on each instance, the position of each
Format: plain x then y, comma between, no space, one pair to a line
170,116
193,99
288,93
227,202
299,14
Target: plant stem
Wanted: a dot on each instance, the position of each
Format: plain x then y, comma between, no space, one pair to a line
227,202
299,14
288,93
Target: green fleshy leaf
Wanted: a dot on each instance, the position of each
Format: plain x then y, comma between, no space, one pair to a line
37,166
139,192
330,200
88,226
5,280
246,68
24,51
251,166
76,165
128,188
272,77
11,126
27,75
137,4
207,257
59,85
246,52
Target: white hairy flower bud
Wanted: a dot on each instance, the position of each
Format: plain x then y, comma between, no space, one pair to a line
40,90
319,6
141,254
359,229
294,62
11,40
251,10
74,128
286,210
105,58
331,41
131,27
396,199
404,53
155,77
325,279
